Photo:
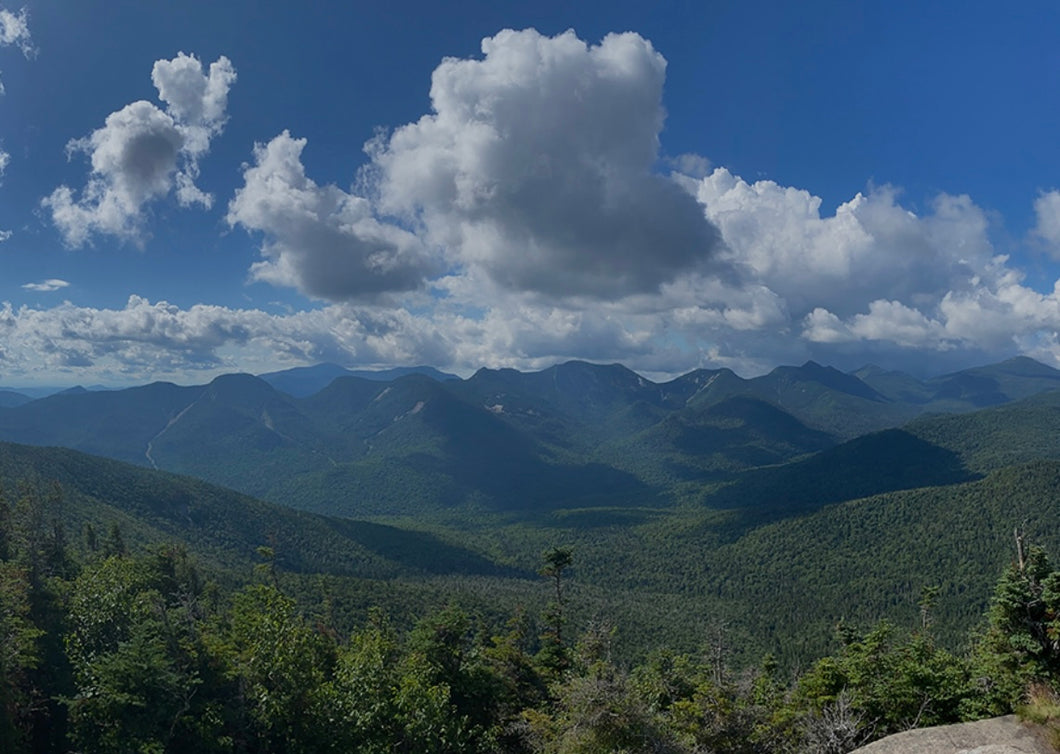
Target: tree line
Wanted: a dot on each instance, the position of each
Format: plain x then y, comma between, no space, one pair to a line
107,650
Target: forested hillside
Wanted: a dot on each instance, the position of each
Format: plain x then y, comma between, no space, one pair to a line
112,648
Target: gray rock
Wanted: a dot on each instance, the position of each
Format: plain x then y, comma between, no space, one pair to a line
1000,735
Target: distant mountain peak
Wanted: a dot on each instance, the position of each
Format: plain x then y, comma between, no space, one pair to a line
240,387
1025,365
301,382
829,377
237,378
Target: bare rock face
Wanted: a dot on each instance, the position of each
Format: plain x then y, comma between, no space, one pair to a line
1000,735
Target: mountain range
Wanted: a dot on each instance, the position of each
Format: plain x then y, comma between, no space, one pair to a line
573,435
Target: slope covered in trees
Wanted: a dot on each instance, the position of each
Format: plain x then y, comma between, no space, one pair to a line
665,574
111,650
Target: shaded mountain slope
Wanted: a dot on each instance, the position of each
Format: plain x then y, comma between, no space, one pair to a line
9,398
424,447
893,459
301,382
223,525
713,441
237,432
968,389
822,398
993,384
118,424
573,406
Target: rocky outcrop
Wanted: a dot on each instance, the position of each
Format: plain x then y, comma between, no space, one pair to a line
1000,735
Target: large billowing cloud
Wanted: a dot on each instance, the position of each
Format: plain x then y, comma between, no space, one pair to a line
320,239
536,179
537,166
142,153
881,276
984,310
871,247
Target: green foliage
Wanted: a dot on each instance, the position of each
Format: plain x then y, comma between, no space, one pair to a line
707,708
378,701
136,646
454,656
279,663
19,652
387,701
597,711
1020,647
888,681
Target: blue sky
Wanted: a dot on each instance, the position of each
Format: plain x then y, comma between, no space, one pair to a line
197,188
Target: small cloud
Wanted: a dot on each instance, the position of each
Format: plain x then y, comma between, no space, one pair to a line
14,30
46,286
1047,210
143,153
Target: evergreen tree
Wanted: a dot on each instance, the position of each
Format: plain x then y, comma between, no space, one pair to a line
553,655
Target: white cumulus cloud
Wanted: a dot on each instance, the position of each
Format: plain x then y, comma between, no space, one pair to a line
871,248
323,241
537,166
875,278
142,153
